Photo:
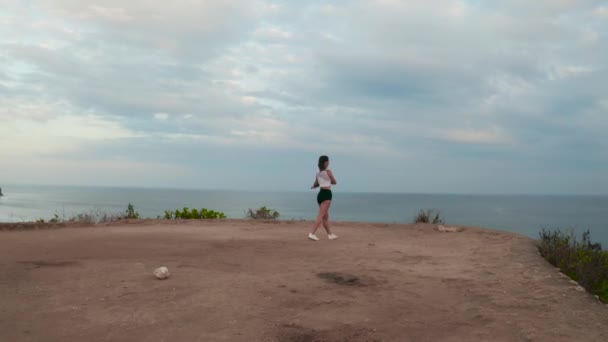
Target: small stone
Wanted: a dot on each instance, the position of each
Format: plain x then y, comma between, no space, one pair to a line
161,273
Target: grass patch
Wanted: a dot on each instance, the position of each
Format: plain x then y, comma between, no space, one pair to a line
583,261
429,216
94,216
262,213
194,214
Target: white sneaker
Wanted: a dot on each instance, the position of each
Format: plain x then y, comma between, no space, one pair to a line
332,236
313,237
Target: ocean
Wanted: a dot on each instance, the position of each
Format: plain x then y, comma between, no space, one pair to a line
525,214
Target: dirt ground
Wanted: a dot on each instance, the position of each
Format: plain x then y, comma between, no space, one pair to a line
255,281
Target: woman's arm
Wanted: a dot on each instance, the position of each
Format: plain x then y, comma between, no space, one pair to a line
331,177
316,185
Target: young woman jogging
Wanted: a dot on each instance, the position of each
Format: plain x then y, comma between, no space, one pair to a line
323,180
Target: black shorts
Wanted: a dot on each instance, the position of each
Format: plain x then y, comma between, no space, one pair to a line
324,195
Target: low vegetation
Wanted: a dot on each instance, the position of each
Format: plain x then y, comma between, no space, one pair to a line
55,219
583,261
98,216
262,213
429,216
194,214
94,216
130,213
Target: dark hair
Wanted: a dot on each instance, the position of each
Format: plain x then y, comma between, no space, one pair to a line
322,160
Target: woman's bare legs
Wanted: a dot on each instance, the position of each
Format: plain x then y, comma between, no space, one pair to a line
326,219
323,211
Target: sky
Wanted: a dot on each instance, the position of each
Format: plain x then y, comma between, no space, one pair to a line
505,96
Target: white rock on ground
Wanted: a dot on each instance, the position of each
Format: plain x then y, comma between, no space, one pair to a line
161,273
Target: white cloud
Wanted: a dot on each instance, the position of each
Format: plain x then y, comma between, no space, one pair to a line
47,129
249,100
85,127
161,116
272,34
105,172
474,136
111,14
566,71
601,12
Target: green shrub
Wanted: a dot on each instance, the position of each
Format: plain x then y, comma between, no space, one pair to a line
262,213
211,214
130,213
583,261
194,214
429,216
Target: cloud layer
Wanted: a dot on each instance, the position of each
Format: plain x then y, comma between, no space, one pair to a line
414,96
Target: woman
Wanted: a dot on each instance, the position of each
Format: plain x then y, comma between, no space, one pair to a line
324,180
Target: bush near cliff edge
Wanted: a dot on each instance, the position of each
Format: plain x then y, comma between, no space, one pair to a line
583,261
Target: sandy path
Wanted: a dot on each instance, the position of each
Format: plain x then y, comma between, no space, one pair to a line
246,281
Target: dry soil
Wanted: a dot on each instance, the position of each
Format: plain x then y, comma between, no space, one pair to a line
259,281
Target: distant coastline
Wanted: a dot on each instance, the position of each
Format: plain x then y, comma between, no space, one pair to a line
303,190
524,214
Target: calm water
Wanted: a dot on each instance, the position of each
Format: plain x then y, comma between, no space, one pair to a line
524,214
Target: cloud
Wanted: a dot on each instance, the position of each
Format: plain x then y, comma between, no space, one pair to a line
475,136
397,83
602,12
101,172
161,116
110,14
52,129
272,34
